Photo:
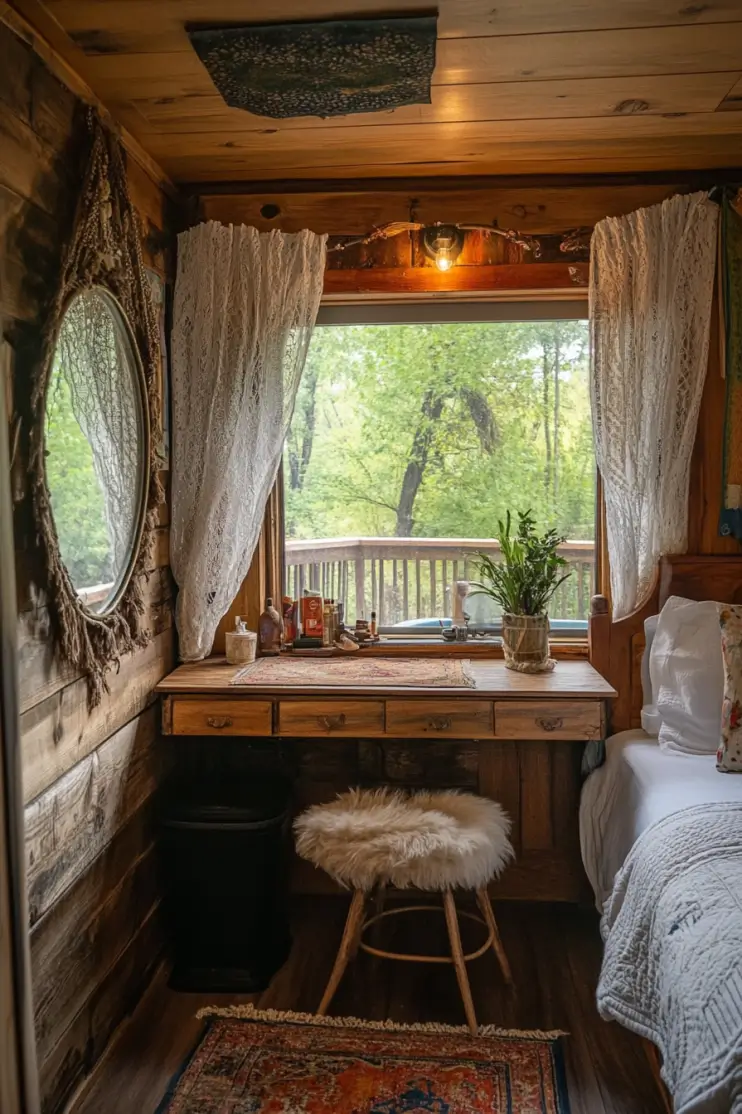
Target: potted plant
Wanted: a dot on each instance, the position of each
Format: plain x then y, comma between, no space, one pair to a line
522,583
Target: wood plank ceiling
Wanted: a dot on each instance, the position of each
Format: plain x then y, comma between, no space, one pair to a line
520,87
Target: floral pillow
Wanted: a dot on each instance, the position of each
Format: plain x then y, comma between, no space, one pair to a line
729,754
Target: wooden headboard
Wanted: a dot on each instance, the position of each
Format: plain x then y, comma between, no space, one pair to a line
616,649
701,578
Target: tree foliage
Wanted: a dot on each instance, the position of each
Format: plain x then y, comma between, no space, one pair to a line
439,430
76,497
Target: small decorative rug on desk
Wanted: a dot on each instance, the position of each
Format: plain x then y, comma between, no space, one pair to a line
252,1062
355,671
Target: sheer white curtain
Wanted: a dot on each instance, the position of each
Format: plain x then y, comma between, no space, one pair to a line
245,307
651,284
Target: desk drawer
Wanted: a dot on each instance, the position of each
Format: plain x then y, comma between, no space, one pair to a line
555,719
445,719
221,716
331,717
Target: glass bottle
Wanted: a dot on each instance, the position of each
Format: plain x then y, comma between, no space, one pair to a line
269,630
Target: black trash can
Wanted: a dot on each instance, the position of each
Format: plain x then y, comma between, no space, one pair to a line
224,864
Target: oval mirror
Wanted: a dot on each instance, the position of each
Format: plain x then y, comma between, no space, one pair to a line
97,447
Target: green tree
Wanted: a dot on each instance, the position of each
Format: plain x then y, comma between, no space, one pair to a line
77,500
438,430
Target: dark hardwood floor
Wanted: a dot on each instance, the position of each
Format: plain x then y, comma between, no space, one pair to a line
555,955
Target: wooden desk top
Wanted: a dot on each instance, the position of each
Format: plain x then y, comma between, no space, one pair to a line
570,679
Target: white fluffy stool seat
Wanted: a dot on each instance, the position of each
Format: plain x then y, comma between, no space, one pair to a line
431,841
373,839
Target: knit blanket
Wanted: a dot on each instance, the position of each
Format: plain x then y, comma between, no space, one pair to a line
672,968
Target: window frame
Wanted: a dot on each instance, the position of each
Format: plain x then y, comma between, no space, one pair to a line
431,309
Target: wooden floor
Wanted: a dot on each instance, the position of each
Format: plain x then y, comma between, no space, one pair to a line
555,955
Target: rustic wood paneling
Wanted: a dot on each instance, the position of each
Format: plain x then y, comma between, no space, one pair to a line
499,778
649,141
60,731
141,25
420,763
89,778
69,825
624,87
79,941
503,100
531,209
536,826
81,1045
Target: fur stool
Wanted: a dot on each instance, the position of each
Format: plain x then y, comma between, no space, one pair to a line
370,839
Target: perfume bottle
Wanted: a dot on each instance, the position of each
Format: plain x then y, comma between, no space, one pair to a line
270,629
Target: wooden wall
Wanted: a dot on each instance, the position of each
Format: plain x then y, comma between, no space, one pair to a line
96,933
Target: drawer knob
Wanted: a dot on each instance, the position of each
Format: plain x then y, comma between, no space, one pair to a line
331,723
219,721
550,723
439,723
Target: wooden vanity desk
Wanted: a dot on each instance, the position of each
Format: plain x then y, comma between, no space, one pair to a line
517,738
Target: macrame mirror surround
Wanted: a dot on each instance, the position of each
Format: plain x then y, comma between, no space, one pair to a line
96,397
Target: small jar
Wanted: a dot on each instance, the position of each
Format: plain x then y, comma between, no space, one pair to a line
240,646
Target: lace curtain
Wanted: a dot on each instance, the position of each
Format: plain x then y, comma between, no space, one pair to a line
245,307
651,284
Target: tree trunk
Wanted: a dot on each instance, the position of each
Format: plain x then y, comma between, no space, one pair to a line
555,460
547,420
300,451
432,409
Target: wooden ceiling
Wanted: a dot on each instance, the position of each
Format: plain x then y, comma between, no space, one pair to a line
520,87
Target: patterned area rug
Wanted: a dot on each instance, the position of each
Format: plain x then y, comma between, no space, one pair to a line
356,671
271,1063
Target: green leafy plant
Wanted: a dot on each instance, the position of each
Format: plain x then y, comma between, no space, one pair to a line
530,571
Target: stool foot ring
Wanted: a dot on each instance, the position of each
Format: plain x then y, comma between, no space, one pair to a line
411,957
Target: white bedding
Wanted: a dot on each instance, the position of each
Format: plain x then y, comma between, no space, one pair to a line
638,785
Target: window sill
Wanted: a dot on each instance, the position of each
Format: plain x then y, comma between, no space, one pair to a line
436,647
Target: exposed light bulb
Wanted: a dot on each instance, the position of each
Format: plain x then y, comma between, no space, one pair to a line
443,263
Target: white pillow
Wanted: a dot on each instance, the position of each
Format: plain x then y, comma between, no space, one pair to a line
687,675
651,720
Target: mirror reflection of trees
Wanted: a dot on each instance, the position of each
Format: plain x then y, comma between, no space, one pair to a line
438,430
95,445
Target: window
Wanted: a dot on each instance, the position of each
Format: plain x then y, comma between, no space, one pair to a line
411,439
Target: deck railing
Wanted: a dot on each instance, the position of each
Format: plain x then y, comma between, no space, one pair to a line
415,578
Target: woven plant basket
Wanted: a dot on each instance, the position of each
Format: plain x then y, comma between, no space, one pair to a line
525,643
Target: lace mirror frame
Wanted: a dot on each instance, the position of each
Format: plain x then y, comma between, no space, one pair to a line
104,252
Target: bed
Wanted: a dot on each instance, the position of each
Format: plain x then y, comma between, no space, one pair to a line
661,841
637,786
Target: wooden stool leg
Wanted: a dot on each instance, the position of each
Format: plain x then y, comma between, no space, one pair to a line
459,963
483,900
346,950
